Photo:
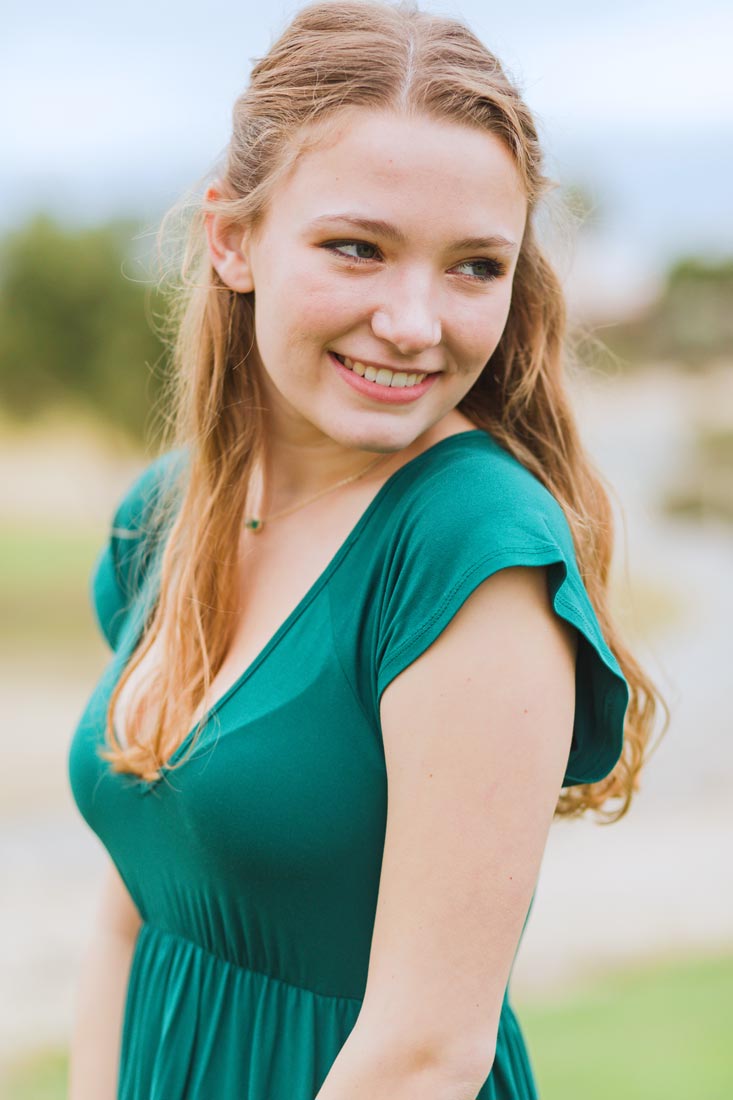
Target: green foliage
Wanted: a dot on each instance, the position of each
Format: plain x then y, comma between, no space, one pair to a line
691,323
74,308
76,313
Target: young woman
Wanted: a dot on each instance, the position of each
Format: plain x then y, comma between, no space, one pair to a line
358,607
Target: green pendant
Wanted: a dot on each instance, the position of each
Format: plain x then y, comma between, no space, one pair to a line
254,524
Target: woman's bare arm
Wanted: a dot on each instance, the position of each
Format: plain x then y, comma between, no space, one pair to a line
100,1001
477,733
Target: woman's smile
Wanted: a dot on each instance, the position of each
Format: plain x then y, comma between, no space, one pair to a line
395,388
390,376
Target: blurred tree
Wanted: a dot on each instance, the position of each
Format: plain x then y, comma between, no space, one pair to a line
76,312
74,328
691,323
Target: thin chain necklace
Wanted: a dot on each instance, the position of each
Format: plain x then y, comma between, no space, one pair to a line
255,523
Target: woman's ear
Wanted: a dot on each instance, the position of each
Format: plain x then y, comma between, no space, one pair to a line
228,249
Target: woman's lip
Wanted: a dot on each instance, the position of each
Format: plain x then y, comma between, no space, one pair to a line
389,395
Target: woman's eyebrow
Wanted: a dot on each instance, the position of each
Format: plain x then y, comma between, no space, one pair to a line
392,233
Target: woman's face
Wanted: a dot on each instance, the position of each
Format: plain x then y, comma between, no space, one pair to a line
393,247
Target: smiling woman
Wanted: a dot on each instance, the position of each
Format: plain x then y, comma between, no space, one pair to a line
362,654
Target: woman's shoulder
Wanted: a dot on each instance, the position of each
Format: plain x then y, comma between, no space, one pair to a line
472,509
137,504
476,509
134,536
469,487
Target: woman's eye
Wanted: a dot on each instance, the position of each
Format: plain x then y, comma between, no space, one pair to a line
340,247
488,269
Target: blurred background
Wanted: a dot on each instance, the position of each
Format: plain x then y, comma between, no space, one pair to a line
624,981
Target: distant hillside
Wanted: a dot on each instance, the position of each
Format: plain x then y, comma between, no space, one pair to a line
690,324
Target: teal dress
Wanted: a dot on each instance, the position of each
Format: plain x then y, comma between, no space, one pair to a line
255,866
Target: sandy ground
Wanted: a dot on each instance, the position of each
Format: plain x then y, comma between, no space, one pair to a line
657,883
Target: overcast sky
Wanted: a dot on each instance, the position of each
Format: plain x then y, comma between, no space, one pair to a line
116,108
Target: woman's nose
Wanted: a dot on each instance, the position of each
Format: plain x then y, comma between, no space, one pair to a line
408,321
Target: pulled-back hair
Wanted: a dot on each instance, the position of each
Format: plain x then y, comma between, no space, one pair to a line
334,57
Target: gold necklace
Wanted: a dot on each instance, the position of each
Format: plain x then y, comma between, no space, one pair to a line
256,524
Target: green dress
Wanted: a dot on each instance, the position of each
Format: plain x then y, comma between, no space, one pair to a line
255,866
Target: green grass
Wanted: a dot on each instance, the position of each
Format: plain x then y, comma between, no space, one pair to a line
661,1032
44,585
42,1077
658,1033
46,554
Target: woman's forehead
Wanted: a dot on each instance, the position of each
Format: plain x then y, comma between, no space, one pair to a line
394,167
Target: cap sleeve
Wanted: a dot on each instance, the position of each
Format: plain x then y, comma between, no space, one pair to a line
122,564
467,524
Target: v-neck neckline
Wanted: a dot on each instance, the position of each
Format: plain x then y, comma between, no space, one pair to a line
302,604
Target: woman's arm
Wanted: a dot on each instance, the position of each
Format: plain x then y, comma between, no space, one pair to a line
477,735
95,1043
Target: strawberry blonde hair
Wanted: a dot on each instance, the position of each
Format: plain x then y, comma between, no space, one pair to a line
331,58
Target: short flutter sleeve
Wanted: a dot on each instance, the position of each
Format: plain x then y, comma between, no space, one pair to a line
477,514
122,564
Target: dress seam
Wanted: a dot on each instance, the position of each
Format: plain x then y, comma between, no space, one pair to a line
538,551
247,969
337,652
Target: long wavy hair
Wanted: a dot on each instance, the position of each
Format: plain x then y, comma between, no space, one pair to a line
331,57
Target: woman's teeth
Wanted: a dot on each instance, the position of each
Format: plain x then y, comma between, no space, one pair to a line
382,377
